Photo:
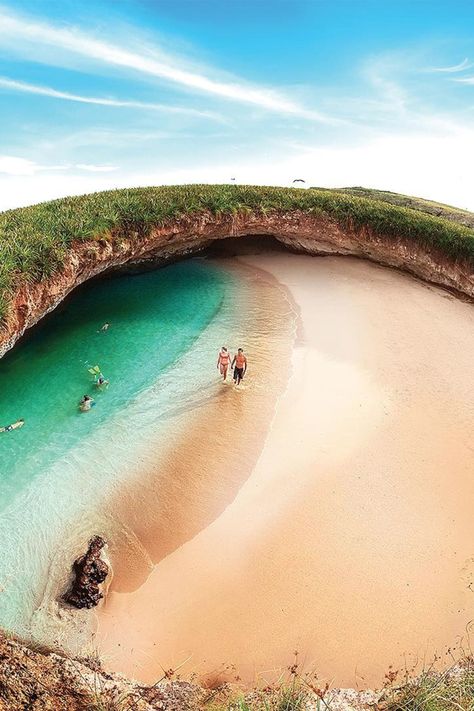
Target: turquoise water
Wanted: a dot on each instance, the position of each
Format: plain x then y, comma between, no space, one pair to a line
153,318
58,470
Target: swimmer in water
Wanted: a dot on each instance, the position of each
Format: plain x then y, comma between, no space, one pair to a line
86,403
101,382
15,426
105,327
223,361
239,364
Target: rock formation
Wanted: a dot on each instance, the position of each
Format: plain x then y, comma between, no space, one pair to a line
90,571
303,232
41,680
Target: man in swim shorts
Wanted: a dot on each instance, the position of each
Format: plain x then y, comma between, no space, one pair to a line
239,364
223,360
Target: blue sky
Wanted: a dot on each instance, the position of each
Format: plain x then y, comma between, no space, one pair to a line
108,93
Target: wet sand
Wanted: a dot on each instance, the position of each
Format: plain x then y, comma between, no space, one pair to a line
189,475
352,539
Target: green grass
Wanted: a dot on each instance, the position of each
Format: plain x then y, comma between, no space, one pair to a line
430,207
448,691
295,690
35,240
287,695
451,690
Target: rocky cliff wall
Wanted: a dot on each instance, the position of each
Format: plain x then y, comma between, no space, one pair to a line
312,234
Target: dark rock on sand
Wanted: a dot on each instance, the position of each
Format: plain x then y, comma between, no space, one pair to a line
90,571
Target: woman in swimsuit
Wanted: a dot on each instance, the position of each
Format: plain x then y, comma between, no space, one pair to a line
223,361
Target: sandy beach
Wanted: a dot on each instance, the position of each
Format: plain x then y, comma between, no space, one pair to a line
185,479
350,538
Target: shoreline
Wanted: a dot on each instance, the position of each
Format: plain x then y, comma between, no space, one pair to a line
189,485
136,514
177,465
86,458
341,543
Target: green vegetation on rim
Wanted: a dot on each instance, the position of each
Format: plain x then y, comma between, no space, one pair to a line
35,676
452,690
438,209
34,240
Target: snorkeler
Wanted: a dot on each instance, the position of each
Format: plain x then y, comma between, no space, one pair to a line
15,426
223,360
101,382
239,364
85,403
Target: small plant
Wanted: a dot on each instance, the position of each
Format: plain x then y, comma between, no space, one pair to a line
451,690
104,703
289,693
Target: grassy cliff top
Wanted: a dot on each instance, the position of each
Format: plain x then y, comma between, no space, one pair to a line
34,240
430,207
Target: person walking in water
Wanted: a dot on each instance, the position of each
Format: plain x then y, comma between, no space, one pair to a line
239,364
223,361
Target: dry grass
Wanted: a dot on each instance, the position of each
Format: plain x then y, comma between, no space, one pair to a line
451,690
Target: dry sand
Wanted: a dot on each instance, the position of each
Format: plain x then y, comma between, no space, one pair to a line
352,539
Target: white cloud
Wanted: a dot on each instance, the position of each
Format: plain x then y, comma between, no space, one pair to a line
400,144
11,165
464,80
96,168
435,166
465,64
15,85
77,42
14,165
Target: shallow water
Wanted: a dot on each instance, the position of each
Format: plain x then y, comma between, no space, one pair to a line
57,468
154,318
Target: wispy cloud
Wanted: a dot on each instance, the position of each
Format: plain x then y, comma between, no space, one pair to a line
96,168
462,66
17,166
80,43
381,73
464,80
15,85
14,165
